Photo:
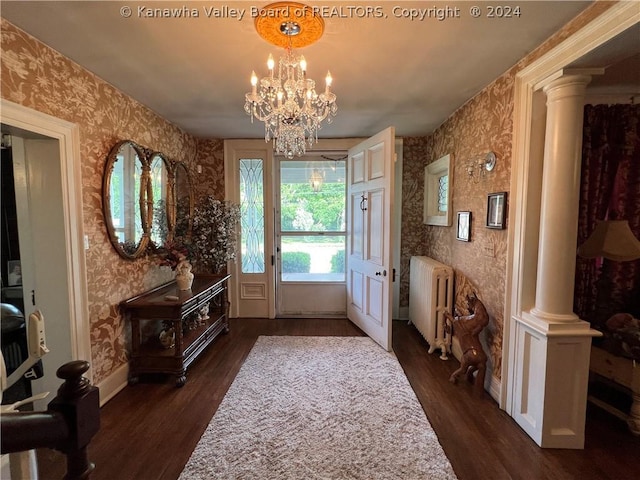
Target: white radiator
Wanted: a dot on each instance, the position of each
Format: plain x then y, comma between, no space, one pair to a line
430,294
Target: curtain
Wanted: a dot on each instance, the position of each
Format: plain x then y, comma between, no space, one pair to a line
610,189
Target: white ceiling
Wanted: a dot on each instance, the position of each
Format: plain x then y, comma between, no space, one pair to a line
387,71
620,57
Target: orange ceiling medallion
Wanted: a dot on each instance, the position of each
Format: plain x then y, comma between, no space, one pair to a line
289,24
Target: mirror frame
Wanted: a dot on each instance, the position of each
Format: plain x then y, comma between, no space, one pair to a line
182,166
145,200
169,204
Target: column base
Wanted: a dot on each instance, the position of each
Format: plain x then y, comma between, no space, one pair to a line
550,394
554,317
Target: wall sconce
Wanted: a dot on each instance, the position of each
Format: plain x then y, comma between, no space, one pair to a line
478,170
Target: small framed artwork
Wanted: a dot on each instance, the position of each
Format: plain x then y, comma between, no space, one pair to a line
464,226
14,273
496,209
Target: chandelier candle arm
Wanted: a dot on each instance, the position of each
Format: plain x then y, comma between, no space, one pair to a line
254,83
270,64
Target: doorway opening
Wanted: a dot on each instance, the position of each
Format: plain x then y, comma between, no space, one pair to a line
251,180
519,388
50,234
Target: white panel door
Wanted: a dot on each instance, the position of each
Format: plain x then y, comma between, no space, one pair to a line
369,242
38,178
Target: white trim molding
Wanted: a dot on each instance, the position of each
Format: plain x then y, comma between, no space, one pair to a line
68,136
546,347
114,383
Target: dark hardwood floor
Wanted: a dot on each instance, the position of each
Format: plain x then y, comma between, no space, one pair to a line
148,431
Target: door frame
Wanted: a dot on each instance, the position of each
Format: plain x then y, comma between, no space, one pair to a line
308,295
234,147
263,289
397,313
68,136
528,145
328,146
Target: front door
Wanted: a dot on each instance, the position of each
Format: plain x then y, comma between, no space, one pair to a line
369,239
251,182
310,236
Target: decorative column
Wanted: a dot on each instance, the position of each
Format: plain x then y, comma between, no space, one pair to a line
560,198
552,342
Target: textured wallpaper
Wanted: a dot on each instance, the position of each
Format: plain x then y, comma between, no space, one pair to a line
483,124
40,78
210,158
414,155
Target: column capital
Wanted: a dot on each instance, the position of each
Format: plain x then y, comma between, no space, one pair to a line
567,76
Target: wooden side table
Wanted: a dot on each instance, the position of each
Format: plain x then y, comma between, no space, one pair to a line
171,327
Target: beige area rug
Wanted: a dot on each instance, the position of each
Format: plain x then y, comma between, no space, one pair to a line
319,408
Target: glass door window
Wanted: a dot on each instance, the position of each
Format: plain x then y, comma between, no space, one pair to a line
252,215
312,215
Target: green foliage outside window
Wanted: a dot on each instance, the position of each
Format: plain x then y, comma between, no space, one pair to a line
337,262
296,262
304,209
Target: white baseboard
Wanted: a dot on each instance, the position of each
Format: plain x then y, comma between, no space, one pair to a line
495,388
113,384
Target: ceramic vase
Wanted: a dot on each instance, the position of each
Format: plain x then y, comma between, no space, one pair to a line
184,277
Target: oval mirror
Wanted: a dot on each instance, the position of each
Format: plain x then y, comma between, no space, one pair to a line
184,201
161,187
126,199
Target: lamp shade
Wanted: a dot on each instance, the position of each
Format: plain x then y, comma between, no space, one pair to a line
612,239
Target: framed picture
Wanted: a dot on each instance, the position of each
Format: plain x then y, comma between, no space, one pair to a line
496,209
464,226
14,273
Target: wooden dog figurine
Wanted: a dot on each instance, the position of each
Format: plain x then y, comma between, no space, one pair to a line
467,328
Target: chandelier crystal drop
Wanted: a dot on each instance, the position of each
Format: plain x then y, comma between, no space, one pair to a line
287,102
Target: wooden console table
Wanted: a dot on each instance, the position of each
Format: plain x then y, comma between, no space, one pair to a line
171,327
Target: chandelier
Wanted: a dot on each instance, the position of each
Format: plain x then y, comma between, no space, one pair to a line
286,99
